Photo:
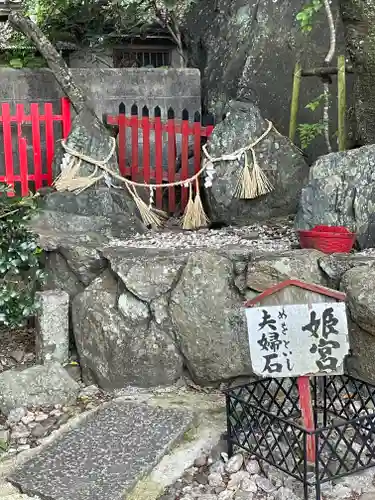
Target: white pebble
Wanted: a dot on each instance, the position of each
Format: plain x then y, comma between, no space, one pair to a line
234,464
252,467
236,479
215,479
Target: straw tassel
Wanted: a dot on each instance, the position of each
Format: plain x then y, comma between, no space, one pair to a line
200,217
150,216
245,187
188,217
260,181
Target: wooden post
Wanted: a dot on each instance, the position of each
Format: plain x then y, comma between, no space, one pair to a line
341,102
295,100
307,414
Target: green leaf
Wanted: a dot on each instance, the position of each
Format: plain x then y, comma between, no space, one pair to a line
16,63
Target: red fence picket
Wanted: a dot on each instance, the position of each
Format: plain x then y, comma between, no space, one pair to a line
151,137
156,132
31,173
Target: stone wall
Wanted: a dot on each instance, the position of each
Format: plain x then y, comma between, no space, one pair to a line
176,88
141,315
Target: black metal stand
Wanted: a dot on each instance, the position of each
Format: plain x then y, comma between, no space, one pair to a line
263,419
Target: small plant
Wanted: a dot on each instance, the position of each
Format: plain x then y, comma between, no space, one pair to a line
308,132
305,16
20,272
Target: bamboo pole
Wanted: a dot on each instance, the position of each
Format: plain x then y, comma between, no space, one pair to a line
341,102
325,70
294,103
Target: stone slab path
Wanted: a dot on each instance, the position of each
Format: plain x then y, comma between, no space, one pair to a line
105,456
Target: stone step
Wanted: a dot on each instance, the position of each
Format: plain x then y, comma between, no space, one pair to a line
105,455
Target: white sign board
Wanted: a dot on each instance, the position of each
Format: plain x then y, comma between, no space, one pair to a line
295,340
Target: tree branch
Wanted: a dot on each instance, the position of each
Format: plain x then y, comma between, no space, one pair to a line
327,61
54,60
332,34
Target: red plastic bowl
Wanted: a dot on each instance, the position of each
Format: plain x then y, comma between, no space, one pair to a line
328,239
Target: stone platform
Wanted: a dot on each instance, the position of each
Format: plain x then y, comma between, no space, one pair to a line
106,455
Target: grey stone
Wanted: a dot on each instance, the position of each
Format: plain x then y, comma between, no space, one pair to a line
17,355
111,226
36,386
285,168
85,262
269,270
60,276
104,456
52,326
234,464
252,467
215,479
200,461
95,202
247,50
16,415
285,494
357,283
4,439
74,371
207,311
340,191
368,496
237,478
360,364
265,484
117,340
20,431
248,484
146,274
335,265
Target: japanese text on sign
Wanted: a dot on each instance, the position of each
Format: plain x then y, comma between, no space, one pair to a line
294,340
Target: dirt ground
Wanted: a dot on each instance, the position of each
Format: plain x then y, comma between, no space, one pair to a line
17,347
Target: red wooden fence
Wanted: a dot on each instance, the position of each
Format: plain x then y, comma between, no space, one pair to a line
31,173
153,131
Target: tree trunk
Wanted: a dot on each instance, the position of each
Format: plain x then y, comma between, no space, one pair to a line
359,21
54,60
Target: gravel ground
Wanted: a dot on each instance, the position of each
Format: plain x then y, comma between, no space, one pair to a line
241,478
25,428
277,235
17,348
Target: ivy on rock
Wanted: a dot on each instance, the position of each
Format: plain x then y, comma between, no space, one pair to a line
20,267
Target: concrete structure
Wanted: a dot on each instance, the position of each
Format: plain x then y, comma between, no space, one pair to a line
176,88
52,333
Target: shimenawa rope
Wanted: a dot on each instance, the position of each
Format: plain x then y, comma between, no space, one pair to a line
251,183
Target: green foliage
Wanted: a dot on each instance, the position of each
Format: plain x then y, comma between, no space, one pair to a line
315,103
23,58
305,17
308,132
20,272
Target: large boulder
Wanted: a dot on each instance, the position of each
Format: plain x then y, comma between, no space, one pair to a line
277,156
248,49
341,192
208,313
266,271
118,339
39,385
336,265
358,284
72,229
